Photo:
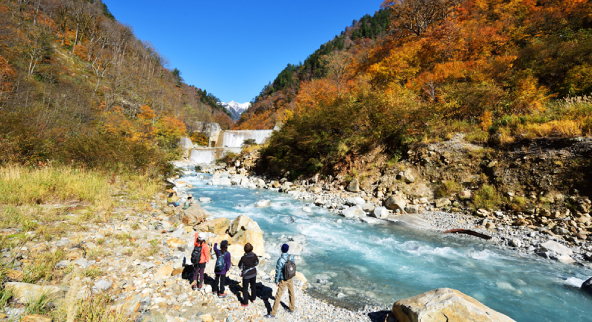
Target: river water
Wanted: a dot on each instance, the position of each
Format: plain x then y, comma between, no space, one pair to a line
384,263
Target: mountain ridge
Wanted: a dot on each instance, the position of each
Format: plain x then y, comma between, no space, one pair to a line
236,109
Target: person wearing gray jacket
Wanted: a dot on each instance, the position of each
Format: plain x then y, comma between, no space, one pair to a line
282,283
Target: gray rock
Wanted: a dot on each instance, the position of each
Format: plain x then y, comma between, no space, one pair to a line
443,202
263,203
353,212
407,176
396,202
288,219
368,207
587,286
62,264
82,263
101,286
205,199
147,265
307,209
412,209
353,186
515,242
178,233
296,248
301,239
62,242
28,293
464,195
551,246
380,212
371,221
560,230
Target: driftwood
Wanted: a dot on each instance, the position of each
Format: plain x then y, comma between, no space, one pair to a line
468,232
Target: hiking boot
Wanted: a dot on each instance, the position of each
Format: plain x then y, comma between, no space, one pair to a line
269,316
194,287
244,305
223,295
200,286
290,311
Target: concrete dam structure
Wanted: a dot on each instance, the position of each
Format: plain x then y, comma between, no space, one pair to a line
223,142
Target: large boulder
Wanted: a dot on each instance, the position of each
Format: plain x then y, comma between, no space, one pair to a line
442,305
242,222
193,215
29,293
245,230
218,226
396,202
254,237
236,252
353,186
587,286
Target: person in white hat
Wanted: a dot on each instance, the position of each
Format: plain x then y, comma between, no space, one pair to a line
200,257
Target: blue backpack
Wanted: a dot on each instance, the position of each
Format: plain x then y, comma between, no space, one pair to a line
220,263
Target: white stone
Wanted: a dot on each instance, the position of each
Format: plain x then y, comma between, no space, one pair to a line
263,203
353,212
380,212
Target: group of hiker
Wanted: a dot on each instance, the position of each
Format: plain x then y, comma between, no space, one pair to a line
285,271
174,200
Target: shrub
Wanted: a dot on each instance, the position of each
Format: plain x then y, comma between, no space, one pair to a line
447,188
487,197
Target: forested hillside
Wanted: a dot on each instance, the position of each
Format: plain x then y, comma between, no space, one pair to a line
496,70
275,98
77,86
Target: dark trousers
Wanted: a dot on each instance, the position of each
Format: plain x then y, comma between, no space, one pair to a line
199,271
220,280
246,282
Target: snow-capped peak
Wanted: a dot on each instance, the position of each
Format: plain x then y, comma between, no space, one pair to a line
236,109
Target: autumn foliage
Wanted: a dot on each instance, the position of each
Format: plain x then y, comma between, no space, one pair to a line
483,67
77,86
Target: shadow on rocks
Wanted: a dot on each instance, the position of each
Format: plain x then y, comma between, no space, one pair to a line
381,316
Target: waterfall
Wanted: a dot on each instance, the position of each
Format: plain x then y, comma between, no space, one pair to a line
235,139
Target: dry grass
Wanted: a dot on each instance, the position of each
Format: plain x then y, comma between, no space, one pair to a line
21,185
570,117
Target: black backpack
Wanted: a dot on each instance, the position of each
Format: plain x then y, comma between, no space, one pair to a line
220,263
196,255
289,270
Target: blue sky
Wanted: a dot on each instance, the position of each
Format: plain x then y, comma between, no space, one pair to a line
233,48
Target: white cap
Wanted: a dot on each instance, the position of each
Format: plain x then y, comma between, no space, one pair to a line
201,236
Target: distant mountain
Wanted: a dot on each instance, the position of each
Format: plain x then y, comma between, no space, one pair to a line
236,109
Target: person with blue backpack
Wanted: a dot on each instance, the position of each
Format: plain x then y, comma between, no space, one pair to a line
285,270
222,267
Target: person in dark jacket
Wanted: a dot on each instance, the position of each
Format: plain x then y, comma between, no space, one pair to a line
221,275
248,266
282,283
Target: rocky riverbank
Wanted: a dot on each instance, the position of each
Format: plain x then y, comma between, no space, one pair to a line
139,258
560,234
